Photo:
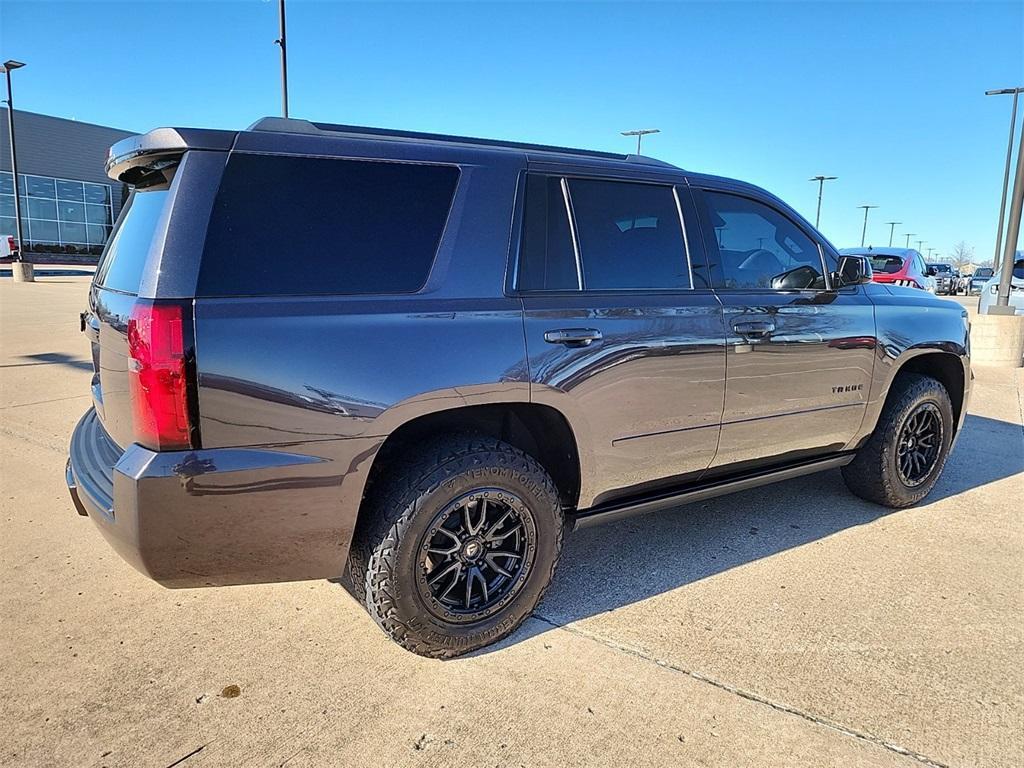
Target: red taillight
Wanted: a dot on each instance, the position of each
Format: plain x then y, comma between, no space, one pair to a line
158,376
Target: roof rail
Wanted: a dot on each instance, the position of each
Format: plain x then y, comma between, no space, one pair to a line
291,125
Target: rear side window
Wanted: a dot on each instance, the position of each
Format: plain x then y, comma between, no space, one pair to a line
125,257
301,225
630,236
759,248
547,260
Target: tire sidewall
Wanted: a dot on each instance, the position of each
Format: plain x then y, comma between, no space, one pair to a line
916,397
512,473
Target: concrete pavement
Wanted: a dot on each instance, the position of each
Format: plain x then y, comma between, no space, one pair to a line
793,625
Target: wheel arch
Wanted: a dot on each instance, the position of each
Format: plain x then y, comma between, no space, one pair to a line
539,430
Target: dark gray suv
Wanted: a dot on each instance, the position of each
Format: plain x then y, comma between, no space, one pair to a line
413,361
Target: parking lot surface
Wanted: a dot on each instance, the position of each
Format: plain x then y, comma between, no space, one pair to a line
793,625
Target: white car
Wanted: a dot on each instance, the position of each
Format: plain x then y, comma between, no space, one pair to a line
990,291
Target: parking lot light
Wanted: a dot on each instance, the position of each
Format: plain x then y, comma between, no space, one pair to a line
22,271
892,228
821,183
909,235
1006,170
640,133
864,231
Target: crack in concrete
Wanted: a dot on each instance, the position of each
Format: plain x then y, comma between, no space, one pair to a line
750,696
194,752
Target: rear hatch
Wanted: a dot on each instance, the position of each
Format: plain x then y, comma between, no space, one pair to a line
135,269
111,300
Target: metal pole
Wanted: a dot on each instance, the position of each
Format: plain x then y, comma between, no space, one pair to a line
284,58
14,166
920,243
817,216
864,231
1012,231
909,235
638,137
1006,174
892,229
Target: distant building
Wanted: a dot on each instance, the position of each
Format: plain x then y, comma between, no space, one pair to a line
68,203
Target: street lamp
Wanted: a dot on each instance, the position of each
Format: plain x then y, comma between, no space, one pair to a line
821,183
910,235
23,270
864,231
640,133
1006,170
920,243
930,249
284,58
892,228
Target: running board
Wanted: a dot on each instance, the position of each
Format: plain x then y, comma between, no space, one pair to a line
621,510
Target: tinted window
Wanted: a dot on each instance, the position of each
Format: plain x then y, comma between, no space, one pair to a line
125,257
757,247
547,261
299,225
629,236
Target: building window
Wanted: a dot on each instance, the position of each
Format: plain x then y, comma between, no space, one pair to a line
57,215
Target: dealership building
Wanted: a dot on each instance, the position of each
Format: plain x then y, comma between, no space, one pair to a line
68,204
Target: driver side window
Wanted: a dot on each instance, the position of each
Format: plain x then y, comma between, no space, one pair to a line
758,248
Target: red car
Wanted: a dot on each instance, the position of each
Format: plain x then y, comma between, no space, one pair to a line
897,266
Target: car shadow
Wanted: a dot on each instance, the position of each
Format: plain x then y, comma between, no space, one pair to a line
607,567
51,358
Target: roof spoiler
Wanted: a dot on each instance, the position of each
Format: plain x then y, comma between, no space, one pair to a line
139,159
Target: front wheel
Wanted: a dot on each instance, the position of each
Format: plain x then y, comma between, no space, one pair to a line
901,462
461,542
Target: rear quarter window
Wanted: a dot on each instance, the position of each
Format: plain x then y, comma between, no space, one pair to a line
301,225
125,258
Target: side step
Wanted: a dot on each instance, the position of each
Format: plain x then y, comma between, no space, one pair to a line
621,510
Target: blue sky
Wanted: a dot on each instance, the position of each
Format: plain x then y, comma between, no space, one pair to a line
887,96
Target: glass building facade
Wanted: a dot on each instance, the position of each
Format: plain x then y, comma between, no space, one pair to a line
58,215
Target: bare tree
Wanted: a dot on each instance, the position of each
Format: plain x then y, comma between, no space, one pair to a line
962,255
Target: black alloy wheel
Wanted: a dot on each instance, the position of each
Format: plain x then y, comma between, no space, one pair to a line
476,555
918,444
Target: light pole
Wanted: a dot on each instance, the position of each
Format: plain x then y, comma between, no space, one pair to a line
864,231
910,235
821,183
920,243
1006,170
284,58
22,271
930,249
892,228
1001,306
639,133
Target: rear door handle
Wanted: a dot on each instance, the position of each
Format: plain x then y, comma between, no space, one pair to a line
573,337
755,329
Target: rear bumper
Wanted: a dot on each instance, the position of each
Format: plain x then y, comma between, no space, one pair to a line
225,515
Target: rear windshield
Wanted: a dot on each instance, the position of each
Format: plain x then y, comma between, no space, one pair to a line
125,257
983,272
302,225
941,267
886,264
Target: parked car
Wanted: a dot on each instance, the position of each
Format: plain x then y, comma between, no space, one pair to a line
945,277
978,280
8,247
897,266
990,291
465,348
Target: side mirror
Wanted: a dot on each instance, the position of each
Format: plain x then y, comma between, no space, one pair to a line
853,270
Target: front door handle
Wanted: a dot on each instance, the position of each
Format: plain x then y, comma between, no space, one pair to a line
573,337
755,329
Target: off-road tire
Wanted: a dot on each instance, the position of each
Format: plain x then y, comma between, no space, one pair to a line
398,511
873,474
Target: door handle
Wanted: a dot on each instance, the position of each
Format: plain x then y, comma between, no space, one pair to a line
573,337
755,329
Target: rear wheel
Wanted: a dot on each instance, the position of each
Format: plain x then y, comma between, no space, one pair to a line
901,462
462,541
